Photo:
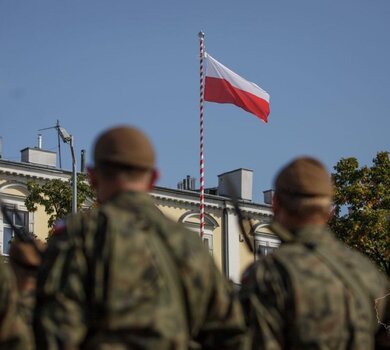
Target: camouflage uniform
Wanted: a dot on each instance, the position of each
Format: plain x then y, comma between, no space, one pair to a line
315,293
125,277
24,259
25,306
13,333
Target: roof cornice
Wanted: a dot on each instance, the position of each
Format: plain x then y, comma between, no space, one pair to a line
211,201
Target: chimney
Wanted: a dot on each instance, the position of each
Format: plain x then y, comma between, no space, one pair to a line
82,163
39,141
187,183
39,156
268,195
240,179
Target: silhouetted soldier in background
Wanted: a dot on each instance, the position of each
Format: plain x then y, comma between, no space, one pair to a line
313,292
123,276
13,332
25,258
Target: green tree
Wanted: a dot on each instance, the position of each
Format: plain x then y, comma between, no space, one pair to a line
56,197
362,207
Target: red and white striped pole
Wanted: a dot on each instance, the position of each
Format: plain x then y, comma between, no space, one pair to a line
201,38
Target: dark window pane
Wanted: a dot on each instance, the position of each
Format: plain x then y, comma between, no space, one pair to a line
206,243
10,215
7,239
262,250
20,218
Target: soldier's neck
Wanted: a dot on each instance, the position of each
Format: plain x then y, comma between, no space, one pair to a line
292,222
109,190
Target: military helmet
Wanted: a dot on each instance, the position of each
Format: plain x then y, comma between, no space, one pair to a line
304,176
124,145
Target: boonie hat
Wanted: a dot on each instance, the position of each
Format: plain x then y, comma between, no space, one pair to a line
304,176
126,146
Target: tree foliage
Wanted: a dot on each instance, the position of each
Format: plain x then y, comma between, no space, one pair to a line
362,207
56,197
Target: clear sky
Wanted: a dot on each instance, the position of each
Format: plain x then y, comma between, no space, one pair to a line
97,63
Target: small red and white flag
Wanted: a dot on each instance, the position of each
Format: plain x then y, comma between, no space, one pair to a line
224,86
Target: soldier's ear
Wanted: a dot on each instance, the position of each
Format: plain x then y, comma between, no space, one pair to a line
275,203
92,177
154,178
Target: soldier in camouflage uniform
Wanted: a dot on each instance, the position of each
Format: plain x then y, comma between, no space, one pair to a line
313,292
24,258
123,276
13,333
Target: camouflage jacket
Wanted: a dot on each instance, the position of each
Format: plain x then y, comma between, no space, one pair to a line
25,309
123,276
315,293
13,332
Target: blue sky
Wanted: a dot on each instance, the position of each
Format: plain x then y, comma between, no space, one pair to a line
94,64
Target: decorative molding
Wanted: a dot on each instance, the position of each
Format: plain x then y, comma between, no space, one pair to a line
217,203
13,184
209,220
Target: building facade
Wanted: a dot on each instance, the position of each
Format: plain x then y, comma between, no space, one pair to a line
222,237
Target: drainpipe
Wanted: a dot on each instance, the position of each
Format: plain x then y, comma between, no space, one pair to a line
225,240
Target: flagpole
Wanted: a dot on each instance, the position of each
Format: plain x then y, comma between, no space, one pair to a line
201,40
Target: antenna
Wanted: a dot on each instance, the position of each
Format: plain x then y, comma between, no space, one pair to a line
60,133
67,138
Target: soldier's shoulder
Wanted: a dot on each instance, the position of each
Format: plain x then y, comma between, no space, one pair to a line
184,235
5,272
72,226
364,269
186,245
7,286
267,279
264,269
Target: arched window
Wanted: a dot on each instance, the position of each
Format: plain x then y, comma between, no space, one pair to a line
265,241
13,196
191,221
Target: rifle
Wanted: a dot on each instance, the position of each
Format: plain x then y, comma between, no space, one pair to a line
241,219
20,232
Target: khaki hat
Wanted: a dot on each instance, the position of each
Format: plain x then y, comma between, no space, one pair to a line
25,254
125,146
304,176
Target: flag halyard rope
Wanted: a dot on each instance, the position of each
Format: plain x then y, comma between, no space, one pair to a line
201,206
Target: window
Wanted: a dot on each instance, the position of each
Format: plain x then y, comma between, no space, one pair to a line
208,242
262,249
191,221
19,219
265,241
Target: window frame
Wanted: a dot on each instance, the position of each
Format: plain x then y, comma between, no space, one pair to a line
264,239
14,208
191,221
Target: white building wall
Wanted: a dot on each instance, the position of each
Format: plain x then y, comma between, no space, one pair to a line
233,233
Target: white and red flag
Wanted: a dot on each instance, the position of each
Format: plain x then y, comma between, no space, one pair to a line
224,86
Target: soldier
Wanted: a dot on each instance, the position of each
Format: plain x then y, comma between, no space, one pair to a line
123,276
313,292
13,333
25,258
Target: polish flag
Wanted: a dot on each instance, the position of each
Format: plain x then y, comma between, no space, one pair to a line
224,86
